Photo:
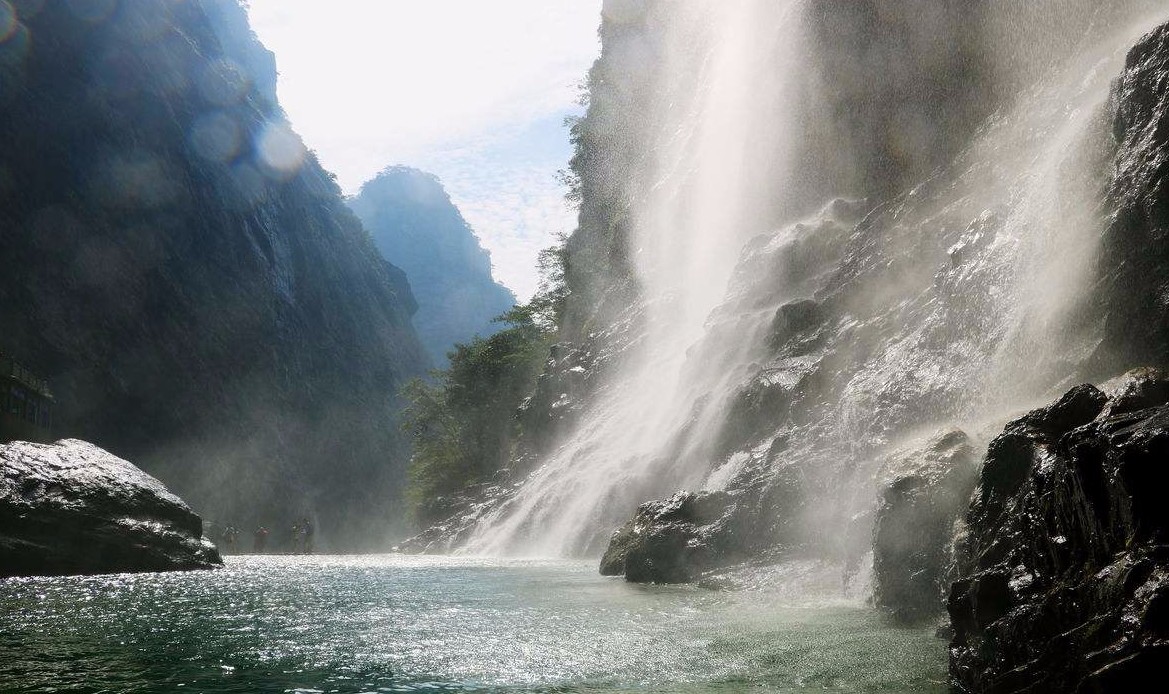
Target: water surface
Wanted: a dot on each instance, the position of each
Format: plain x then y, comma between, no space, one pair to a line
398,623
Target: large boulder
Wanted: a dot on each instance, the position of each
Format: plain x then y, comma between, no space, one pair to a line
690,535
1064,575
670,541
924,491
73,508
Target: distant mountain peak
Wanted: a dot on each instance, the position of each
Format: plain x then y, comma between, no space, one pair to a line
418,228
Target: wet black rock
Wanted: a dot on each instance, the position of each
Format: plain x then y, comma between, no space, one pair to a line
1064,575
925,492
671,541
1135,247
678,540
73,508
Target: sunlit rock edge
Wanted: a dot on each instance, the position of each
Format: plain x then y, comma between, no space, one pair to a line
73,508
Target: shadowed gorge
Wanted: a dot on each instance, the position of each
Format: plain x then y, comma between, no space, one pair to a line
187,276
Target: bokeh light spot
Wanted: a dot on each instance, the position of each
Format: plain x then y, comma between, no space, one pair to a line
8,21
281,150
216,136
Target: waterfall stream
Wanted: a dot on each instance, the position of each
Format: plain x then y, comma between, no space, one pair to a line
955,304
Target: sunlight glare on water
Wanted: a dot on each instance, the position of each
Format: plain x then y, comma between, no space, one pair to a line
399,623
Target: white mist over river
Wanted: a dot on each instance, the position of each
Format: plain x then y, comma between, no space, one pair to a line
400,624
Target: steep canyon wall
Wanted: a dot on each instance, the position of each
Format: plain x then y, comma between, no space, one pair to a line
815,234
186,274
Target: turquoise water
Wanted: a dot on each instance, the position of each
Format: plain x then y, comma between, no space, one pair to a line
396,623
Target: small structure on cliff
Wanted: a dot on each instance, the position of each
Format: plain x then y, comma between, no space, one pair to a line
27,403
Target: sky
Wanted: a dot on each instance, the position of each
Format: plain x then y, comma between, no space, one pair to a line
474,91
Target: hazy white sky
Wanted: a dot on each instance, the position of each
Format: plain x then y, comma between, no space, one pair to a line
471,90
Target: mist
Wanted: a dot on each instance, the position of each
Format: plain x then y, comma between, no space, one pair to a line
771,345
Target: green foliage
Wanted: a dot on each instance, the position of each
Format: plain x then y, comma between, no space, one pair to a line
547,306
463,422
571,177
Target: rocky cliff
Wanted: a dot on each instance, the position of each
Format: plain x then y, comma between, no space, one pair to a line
1062,580
186,274
921,310
417,228
1133,287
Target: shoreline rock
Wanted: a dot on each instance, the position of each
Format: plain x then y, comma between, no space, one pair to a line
72,508
1063,576
924,493
670,541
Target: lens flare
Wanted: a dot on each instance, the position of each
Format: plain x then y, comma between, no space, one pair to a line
216,136
280,150
8,21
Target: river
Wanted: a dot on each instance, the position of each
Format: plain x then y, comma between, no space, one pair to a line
439,624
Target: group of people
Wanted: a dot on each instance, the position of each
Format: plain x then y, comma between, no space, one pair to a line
300,541
302,537
227,540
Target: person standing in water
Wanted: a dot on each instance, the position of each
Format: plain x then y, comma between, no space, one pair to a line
294,540
306,529
259,540
228,537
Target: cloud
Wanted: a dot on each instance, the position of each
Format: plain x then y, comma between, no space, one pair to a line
453,86
374,79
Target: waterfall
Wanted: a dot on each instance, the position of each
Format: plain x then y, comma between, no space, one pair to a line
956,303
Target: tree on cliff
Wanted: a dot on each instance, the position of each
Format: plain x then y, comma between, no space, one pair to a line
463,422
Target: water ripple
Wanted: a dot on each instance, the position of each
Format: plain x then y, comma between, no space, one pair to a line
408,624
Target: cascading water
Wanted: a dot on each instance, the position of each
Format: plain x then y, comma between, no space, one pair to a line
690,224
955,304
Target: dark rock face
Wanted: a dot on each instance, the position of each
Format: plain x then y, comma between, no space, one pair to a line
72,508
925,493
680,539
671,541
1063,575
418,228
188,277
1134,285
